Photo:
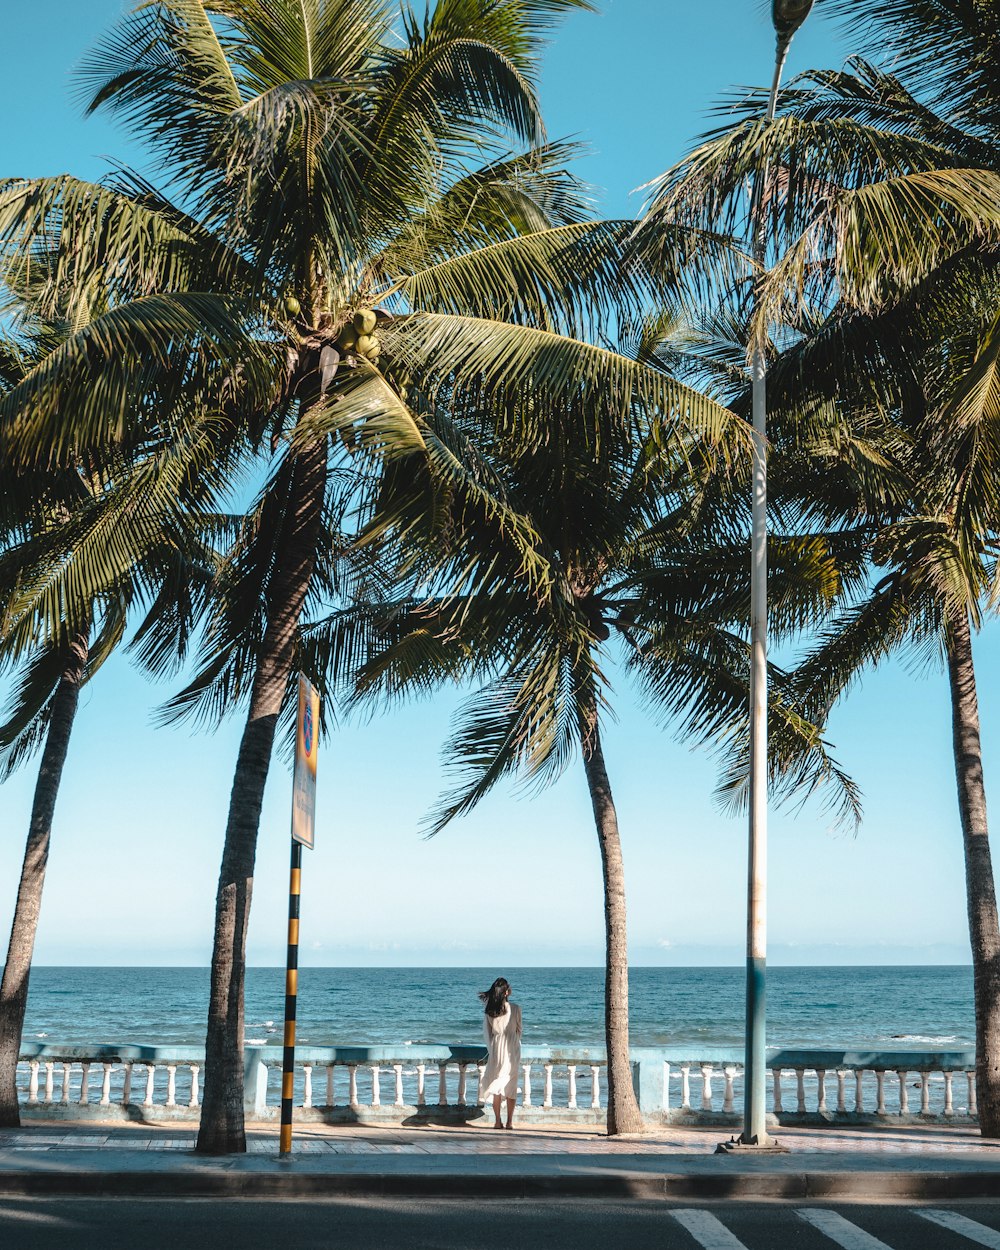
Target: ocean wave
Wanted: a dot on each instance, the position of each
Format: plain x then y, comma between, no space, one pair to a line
924,1039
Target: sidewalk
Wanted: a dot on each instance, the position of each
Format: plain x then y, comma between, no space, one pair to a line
936,1162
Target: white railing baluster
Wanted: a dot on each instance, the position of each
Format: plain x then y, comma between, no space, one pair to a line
33,1081
547,1102
841,1091
421,1096
729,1072
526,1099
398,1069
685,1087
778,1108
65,1082
307,1085
821,1091
127,1085
461,1084
572,1087
859,1090
904,1095
595,1087
106,1086
880,1084
193,1100
84,1082
948,1107
800,1090
376,1091
49,1081
171,1084
925,1093
971,1079
352,1072
150,1077
442,1084
706,1086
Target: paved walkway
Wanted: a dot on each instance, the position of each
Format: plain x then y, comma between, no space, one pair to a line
837,1163
473,1140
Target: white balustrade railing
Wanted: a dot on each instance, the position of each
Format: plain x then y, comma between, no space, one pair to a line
354,1082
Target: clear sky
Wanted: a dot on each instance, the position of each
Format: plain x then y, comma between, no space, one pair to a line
138,829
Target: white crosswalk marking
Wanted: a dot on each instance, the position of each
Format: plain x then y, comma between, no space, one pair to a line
842,1231
707,1231
965,1227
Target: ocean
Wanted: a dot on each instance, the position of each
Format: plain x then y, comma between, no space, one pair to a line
874,1006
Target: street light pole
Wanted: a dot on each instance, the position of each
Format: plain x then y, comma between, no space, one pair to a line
787,16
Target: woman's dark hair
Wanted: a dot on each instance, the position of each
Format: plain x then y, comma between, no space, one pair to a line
495,997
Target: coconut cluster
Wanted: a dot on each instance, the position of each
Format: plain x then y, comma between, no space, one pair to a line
358,337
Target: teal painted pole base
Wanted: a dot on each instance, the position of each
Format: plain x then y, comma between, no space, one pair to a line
755,1062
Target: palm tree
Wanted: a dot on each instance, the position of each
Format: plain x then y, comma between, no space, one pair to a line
67,600
882,209
68,595
638,556
320,159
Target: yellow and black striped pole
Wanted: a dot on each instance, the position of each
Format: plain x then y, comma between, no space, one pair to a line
291,1000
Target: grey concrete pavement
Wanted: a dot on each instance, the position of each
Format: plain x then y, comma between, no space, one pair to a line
940,1162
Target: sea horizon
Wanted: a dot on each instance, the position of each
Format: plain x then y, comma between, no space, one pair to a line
820,1005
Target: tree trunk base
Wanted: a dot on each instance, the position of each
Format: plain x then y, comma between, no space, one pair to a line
221,1142
628,1122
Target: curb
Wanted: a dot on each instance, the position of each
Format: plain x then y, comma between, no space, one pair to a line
825,1186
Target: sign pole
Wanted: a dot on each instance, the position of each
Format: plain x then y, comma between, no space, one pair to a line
303,834
291,999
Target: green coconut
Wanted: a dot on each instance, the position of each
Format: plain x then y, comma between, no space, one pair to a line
347,339
292,306
368,344
365,321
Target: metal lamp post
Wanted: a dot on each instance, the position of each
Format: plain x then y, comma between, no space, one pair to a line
787,16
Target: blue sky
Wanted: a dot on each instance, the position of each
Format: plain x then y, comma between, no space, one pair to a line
141,814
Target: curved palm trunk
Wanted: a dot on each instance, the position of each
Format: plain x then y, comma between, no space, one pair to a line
984,929
17,969
222,1126
623,1108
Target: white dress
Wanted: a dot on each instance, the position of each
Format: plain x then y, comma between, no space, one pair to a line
503,1037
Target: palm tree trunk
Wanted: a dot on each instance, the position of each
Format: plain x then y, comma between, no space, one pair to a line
17,969
222,1126
623,1108
984,929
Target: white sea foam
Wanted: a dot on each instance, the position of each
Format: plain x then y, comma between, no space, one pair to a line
923,1039
256,1041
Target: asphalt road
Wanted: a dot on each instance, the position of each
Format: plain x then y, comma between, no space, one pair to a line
355,1224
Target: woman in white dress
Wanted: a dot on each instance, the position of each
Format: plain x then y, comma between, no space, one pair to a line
502,1028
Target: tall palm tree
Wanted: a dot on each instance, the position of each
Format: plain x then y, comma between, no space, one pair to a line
322,164
67,602
637,557
883,206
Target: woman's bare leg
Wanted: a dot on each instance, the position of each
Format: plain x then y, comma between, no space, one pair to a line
511,1102
496,1111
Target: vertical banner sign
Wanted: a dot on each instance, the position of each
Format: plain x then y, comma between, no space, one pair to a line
304,782
303,834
